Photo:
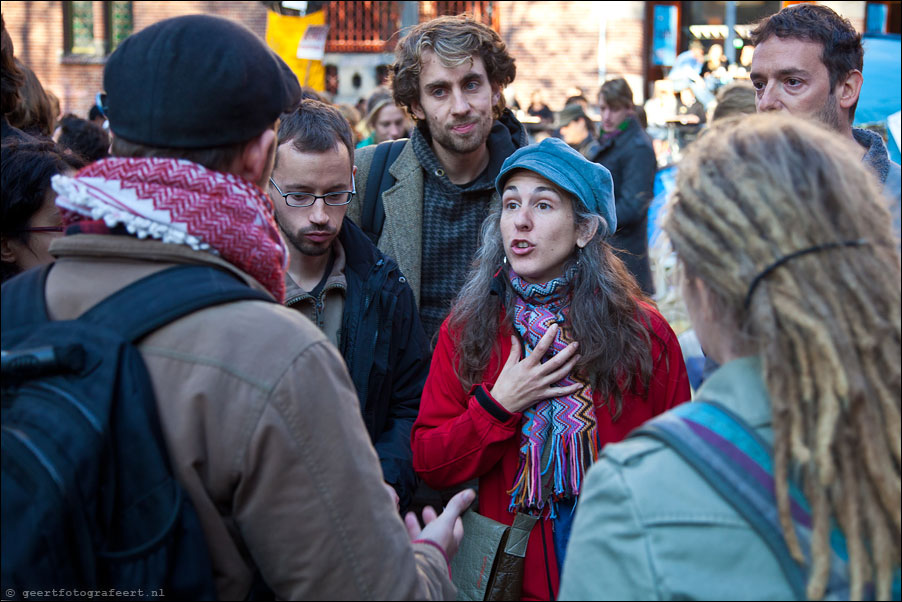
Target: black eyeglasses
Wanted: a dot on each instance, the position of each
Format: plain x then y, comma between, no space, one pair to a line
44,229
307,199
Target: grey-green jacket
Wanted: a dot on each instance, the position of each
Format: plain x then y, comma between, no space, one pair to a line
648,527
402,234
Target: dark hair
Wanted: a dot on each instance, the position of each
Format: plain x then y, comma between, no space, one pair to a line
26,171
641,116
94,112
309,93
84,138
572,100
842,50
737,98
11,79
616,93
34,113
217,158
316,127
454,40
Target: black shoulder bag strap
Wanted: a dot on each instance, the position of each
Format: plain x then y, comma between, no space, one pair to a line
163,297
380,179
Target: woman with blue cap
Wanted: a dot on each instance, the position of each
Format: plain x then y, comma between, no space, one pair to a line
550,351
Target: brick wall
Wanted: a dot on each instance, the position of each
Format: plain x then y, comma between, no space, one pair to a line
556,48
556,45
623,54
36,29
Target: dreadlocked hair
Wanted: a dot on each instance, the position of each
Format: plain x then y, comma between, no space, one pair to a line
826,325
605,314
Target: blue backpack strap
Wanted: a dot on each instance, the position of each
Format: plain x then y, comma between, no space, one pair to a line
154,301
380,179
738,464
23,298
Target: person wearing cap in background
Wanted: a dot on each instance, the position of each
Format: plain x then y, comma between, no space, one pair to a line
578,131
545,285
260,418
384,119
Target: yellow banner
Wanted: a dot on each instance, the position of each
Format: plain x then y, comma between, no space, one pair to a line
284,33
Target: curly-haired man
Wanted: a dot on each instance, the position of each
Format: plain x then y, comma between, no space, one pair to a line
449,74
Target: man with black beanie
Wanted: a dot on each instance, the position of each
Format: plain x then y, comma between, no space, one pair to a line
259,415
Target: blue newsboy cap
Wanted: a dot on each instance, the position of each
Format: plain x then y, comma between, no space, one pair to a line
554,160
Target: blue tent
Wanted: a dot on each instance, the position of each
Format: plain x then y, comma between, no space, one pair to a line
881,92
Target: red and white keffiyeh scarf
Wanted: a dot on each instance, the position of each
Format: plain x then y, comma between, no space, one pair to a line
181,202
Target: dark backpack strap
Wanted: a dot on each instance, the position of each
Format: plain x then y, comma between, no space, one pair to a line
23,298
737,464
154,301
380,179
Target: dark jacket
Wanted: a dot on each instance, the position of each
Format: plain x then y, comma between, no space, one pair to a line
14,134
877,159
383,344
590,148
631,160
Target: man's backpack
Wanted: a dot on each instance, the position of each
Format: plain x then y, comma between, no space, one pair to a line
89,499
372,218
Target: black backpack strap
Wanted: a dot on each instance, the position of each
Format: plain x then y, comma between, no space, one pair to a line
380,179
23,298
154,301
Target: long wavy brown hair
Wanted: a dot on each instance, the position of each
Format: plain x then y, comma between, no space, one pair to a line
604,316
826,325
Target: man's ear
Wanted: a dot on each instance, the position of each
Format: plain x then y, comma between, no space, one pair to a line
850,88
417,110
254,160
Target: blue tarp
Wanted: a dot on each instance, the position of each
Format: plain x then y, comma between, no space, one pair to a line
881,92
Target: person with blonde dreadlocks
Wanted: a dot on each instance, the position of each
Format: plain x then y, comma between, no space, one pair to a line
792,281
599,358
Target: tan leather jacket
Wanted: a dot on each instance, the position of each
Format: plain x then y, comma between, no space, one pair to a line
264,431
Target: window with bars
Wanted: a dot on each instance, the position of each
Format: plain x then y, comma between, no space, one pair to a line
89,35
374,26
485,12
362,26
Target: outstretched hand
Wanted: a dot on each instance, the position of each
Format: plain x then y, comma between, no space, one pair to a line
523,383
445,529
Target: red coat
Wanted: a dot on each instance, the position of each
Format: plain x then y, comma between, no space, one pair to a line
459,436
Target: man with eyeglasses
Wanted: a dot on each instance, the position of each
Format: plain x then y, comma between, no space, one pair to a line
338,279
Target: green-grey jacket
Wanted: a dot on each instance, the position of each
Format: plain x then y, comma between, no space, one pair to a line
402,234
649,527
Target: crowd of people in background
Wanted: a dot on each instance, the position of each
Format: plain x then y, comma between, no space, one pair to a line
457,292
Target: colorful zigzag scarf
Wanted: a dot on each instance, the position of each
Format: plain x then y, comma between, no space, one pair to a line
558,436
